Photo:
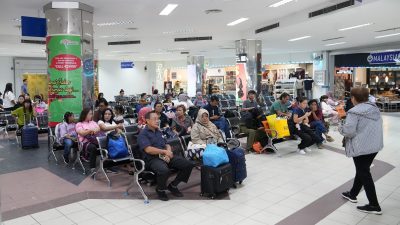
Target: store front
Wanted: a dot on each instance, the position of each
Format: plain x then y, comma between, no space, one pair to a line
379,71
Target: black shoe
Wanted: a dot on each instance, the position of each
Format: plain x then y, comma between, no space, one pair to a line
175,191
370,209
66,159
162,195
347,196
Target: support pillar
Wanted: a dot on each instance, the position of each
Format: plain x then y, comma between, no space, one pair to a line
248,66
70,58
195,75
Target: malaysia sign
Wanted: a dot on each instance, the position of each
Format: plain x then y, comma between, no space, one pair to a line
384,57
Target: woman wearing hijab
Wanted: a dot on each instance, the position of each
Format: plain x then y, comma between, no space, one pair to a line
141,116
204,129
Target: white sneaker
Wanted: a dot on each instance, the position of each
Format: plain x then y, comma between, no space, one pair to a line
307,149
301,151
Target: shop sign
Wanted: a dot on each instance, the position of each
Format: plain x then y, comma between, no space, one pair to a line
384,57
127,65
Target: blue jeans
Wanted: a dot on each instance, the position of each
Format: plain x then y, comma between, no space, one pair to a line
319,129
222,125
68,143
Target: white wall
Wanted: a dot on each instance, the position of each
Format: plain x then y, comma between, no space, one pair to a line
134,81
287,58
6,74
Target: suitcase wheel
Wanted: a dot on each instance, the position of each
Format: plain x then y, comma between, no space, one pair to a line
240,182
213,196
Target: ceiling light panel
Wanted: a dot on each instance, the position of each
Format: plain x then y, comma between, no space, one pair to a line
388,35
355,27
168,9
236,22
338,43
280,3
115,23
299,38
182,31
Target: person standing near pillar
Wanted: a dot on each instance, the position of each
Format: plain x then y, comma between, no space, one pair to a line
308,85
363,134
24,87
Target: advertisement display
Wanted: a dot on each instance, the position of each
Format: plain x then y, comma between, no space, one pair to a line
65,76
241,81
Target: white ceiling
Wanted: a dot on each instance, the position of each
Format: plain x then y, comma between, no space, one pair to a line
189,20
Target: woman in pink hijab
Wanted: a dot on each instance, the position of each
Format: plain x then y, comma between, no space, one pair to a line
142,113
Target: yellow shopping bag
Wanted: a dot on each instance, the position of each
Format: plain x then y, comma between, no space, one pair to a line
278,124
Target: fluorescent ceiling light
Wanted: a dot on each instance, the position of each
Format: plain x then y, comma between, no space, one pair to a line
168,9
299,38
65,5
236,22
338,43
355,27
280,3
388,35
115,23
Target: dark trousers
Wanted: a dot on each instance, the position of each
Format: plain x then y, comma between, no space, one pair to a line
364,179
319,129
93,153
308,137
162,170
68,144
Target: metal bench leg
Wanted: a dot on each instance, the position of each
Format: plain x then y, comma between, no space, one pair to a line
104,173
136,181
78,160
270,145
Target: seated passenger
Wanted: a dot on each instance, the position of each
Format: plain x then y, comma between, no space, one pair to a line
68,135
103,105
24,114
141,117
107,124
303,130
119,115
39,105
20,101
199,101
327,109
88,130
185,99
100,96
216,117
159,158
182,124
280,107
158,108
204,129
317,122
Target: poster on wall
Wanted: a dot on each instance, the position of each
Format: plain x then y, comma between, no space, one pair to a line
241,81
65,76
319,77
191,83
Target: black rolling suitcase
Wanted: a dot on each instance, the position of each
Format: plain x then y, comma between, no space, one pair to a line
216,180
29,135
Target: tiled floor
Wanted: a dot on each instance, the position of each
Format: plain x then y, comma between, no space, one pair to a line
277,191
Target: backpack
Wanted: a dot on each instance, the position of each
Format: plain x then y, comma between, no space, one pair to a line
116,146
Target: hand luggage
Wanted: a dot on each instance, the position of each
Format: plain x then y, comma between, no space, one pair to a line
29,137
215,180
238,162
214,156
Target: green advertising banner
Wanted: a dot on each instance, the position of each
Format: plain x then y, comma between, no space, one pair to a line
65,76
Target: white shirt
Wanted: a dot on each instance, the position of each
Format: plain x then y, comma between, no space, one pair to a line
7,100
372,99
325,108
107,124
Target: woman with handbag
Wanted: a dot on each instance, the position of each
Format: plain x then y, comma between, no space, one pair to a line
87,131
363,132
